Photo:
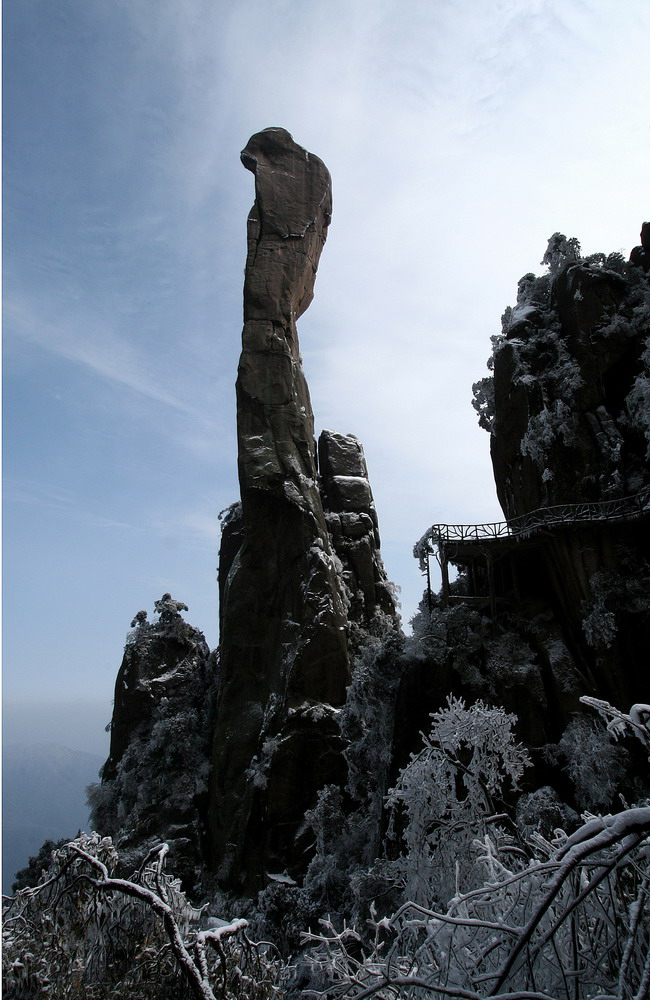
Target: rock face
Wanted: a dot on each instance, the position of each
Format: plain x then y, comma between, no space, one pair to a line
571,425
284,657
569,416
538,620
154,783
302,591
353,526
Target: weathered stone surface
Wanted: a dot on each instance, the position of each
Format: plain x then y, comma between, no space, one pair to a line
154,783
287,227
299,565
283,621
340,455
352,522
569,419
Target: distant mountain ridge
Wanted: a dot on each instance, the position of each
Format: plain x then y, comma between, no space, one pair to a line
43,797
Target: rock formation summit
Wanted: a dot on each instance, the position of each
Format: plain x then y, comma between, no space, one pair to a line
286,595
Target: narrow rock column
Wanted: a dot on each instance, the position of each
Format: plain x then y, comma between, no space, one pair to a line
283,644
354,529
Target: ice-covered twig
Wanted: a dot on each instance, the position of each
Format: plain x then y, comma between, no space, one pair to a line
632,823
637,720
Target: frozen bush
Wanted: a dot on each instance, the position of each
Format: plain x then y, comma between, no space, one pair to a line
447,793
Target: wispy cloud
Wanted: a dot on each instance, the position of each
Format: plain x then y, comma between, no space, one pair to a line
197,526
57,499
459,136
102,350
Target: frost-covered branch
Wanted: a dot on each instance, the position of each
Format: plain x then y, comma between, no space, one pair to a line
198,983
628,828
84,925
576,921
637,721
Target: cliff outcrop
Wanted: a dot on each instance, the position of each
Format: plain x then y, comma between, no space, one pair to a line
553,604
154,783
565,419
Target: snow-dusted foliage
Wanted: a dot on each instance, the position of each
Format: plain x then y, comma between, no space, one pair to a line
595,766
553,423
367,721
560,252
638,399
453,634
536,344
483,401
165,771
563,919
449,792
615,596
83,933
484,657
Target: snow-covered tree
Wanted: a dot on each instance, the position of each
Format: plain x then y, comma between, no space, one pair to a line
569,920
561,251
449,792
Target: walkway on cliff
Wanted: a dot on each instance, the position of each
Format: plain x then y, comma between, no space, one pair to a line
620,509
442,540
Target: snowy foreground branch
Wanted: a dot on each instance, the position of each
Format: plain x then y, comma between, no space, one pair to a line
82,932
574,923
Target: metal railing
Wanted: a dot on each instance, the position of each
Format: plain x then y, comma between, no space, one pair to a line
619,509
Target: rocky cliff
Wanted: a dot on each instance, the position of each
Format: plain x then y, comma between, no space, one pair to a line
267,763
302,586
299,558
557,606
567,417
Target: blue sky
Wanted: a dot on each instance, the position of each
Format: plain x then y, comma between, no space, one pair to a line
460,135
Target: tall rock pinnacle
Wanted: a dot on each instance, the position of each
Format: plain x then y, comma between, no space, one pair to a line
287,228
283,640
